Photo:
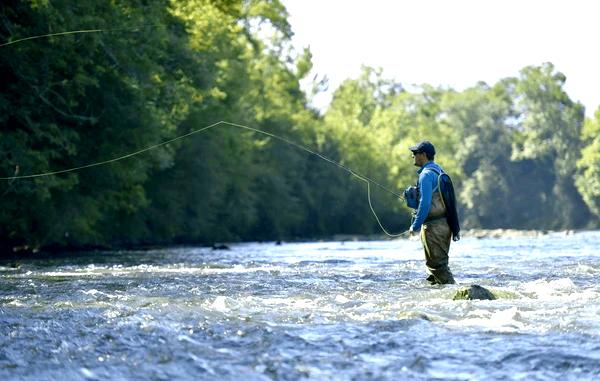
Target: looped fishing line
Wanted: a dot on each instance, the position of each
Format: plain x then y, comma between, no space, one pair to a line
203,129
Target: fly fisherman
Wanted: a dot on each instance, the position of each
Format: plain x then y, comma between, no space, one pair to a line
430,215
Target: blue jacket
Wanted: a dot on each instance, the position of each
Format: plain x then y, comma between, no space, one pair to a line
428,181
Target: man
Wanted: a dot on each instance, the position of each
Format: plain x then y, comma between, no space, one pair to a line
430,216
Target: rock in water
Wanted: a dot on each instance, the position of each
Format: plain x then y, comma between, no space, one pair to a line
474,292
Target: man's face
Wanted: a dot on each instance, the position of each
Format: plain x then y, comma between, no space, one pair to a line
420,159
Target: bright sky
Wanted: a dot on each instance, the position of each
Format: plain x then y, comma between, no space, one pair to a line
451,42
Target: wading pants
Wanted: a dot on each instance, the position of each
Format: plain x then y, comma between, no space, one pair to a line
436,237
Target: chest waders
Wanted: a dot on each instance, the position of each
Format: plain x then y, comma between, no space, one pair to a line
436,236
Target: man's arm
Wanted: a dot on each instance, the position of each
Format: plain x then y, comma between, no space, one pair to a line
426,190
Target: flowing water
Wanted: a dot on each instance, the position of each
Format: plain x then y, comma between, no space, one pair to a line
317,311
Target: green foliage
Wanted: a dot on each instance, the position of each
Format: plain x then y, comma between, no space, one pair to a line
355,120
588,178
479,117
78,99
550,125
162,68
552,122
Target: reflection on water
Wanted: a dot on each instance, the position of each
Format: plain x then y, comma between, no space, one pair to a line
326,310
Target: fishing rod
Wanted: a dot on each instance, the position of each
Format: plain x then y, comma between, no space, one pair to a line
82,31
359,176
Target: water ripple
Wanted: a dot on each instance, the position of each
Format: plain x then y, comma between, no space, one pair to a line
326,310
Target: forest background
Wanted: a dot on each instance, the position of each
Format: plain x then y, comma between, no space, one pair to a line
521,153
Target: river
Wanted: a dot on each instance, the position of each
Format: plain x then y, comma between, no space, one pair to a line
356,310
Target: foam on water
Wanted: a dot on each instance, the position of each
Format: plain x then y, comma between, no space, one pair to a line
323,310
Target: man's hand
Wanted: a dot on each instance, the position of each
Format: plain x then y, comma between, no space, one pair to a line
412,233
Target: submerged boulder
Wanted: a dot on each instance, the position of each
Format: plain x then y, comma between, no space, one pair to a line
474,292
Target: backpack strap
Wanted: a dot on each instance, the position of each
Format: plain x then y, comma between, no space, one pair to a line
439,173
438,186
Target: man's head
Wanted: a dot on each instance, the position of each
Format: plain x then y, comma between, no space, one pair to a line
423,152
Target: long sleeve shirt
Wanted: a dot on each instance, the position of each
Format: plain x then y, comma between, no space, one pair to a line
428,181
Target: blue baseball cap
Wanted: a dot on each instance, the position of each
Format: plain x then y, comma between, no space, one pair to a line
424,146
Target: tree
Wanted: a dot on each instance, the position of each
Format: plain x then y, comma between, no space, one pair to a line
588,176
231,184
549,133
82,98
479,116
361,125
